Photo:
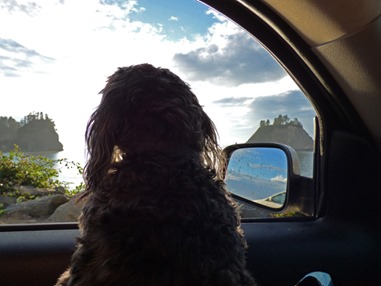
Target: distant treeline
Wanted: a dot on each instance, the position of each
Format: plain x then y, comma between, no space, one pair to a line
34,132
281,120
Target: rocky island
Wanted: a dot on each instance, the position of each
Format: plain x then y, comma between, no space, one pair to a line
34,133
285,131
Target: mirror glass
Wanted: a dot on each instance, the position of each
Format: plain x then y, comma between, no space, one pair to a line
317,278
258,174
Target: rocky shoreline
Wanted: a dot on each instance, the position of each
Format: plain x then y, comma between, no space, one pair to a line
26,204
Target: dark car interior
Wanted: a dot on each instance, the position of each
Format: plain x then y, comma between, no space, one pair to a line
340,235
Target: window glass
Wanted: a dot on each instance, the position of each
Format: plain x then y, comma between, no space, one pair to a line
55,57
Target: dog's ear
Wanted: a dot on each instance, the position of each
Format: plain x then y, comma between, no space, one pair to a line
104,126
211,149
100,139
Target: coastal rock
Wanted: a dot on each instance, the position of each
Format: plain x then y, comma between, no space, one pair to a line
35,133
38,135
40,192
41,207
291,135
68,212
6,201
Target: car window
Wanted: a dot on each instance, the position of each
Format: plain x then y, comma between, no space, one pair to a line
55,57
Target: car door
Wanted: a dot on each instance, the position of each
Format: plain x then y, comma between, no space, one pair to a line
339,236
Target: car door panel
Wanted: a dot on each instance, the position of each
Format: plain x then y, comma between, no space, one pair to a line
35,257
279,252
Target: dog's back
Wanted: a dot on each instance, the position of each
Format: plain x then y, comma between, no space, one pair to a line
162,220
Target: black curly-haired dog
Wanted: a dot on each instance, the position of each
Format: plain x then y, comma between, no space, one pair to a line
155,212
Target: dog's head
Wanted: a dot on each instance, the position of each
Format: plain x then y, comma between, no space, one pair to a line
144,108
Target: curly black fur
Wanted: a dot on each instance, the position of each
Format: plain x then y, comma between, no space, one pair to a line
158,215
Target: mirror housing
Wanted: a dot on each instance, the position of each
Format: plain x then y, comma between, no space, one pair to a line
264,178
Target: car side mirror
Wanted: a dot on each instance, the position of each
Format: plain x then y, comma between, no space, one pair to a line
266,176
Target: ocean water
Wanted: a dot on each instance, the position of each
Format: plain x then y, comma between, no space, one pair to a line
67,174
78,155
306,160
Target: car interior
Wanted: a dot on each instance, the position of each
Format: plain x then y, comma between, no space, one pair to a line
332,50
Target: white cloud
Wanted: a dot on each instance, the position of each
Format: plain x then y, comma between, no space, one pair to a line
139,10
229,56
279,178
12,6
216,15
173,18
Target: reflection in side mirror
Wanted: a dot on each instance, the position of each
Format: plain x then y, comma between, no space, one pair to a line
316,278
258,174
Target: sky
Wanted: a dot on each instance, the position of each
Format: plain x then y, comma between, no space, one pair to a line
55,56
